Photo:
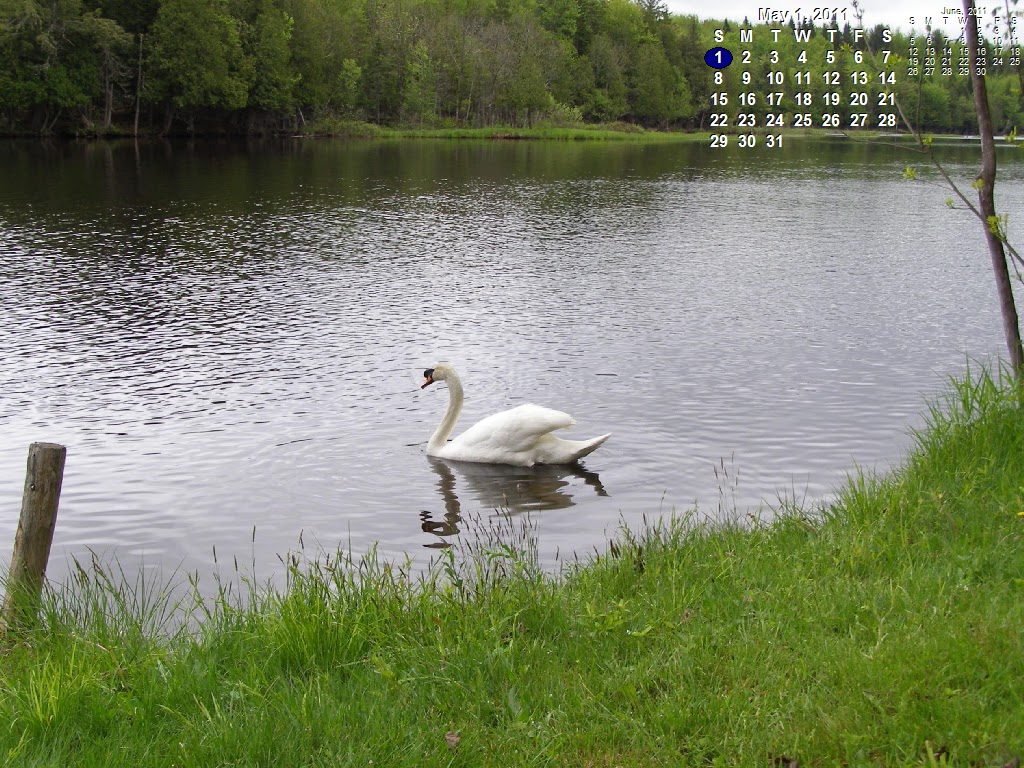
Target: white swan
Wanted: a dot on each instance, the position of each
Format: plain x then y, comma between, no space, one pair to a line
520,436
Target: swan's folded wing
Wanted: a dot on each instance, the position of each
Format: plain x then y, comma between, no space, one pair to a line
515,430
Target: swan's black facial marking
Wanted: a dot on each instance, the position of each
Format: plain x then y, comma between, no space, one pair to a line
429,376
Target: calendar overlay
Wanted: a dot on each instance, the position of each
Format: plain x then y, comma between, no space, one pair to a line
817,68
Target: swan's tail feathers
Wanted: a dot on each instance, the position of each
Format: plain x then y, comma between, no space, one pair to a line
587,447
554,450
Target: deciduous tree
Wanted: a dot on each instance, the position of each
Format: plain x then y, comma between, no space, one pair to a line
994,231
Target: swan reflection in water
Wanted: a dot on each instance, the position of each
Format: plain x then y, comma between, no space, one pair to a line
507,489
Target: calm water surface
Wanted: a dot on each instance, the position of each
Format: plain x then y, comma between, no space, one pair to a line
230,340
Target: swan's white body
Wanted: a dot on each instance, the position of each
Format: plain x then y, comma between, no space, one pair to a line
520,436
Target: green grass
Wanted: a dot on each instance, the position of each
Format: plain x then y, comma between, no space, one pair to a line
352,129
885,630
611,132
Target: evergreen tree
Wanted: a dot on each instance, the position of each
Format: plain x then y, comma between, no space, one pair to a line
196,59
660,93
559,17
274,78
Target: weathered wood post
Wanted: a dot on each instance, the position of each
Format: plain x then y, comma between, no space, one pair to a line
35,533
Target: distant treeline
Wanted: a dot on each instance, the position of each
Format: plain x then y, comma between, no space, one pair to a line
267,66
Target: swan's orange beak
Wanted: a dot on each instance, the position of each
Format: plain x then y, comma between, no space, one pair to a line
429,381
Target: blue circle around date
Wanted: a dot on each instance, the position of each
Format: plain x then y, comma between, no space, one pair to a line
718,58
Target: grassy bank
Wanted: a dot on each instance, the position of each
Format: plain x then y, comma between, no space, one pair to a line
349,129
617,132
886,630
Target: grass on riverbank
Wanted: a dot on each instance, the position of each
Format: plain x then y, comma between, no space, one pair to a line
351,129
888,630
617,132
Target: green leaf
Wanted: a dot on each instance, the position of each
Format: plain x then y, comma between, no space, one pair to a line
997,225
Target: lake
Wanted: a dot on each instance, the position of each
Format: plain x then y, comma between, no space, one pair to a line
230,339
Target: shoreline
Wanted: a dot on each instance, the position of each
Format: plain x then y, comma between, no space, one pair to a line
882,629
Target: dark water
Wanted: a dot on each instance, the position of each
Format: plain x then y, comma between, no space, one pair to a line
230,339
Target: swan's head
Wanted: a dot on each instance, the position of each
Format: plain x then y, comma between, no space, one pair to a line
440,372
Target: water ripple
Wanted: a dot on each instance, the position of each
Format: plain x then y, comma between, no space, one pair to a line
226,349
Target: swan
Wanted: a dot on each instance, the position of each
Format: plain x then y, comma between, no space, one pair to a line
520,436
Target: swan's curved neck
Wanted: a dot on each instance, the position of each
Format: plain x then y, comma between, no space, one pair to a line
444,429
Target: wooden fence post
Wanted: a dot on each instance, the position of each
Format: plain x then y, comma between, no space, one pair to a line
39,502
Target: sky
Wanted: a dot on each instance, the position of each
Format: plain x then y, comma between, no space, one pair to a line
892,13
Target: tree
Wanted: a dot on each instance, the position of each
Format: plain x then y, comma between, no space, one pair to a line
420,86
521,56
660,92
392,33
318,43
21,86
526,92
450,40
590,20
56,56
345,94
609,100
654,11
696,73
475,61
133,16
196,58
994,234
624,23
112,46
559,17
1004,99
274,79
934,108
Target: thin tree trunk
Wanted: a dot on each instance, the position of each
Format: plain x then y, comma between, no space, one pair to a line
47,127
138,89
108,102
986,198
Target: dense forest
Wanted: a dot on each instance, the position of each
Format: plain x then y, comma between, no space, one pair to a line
90,67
